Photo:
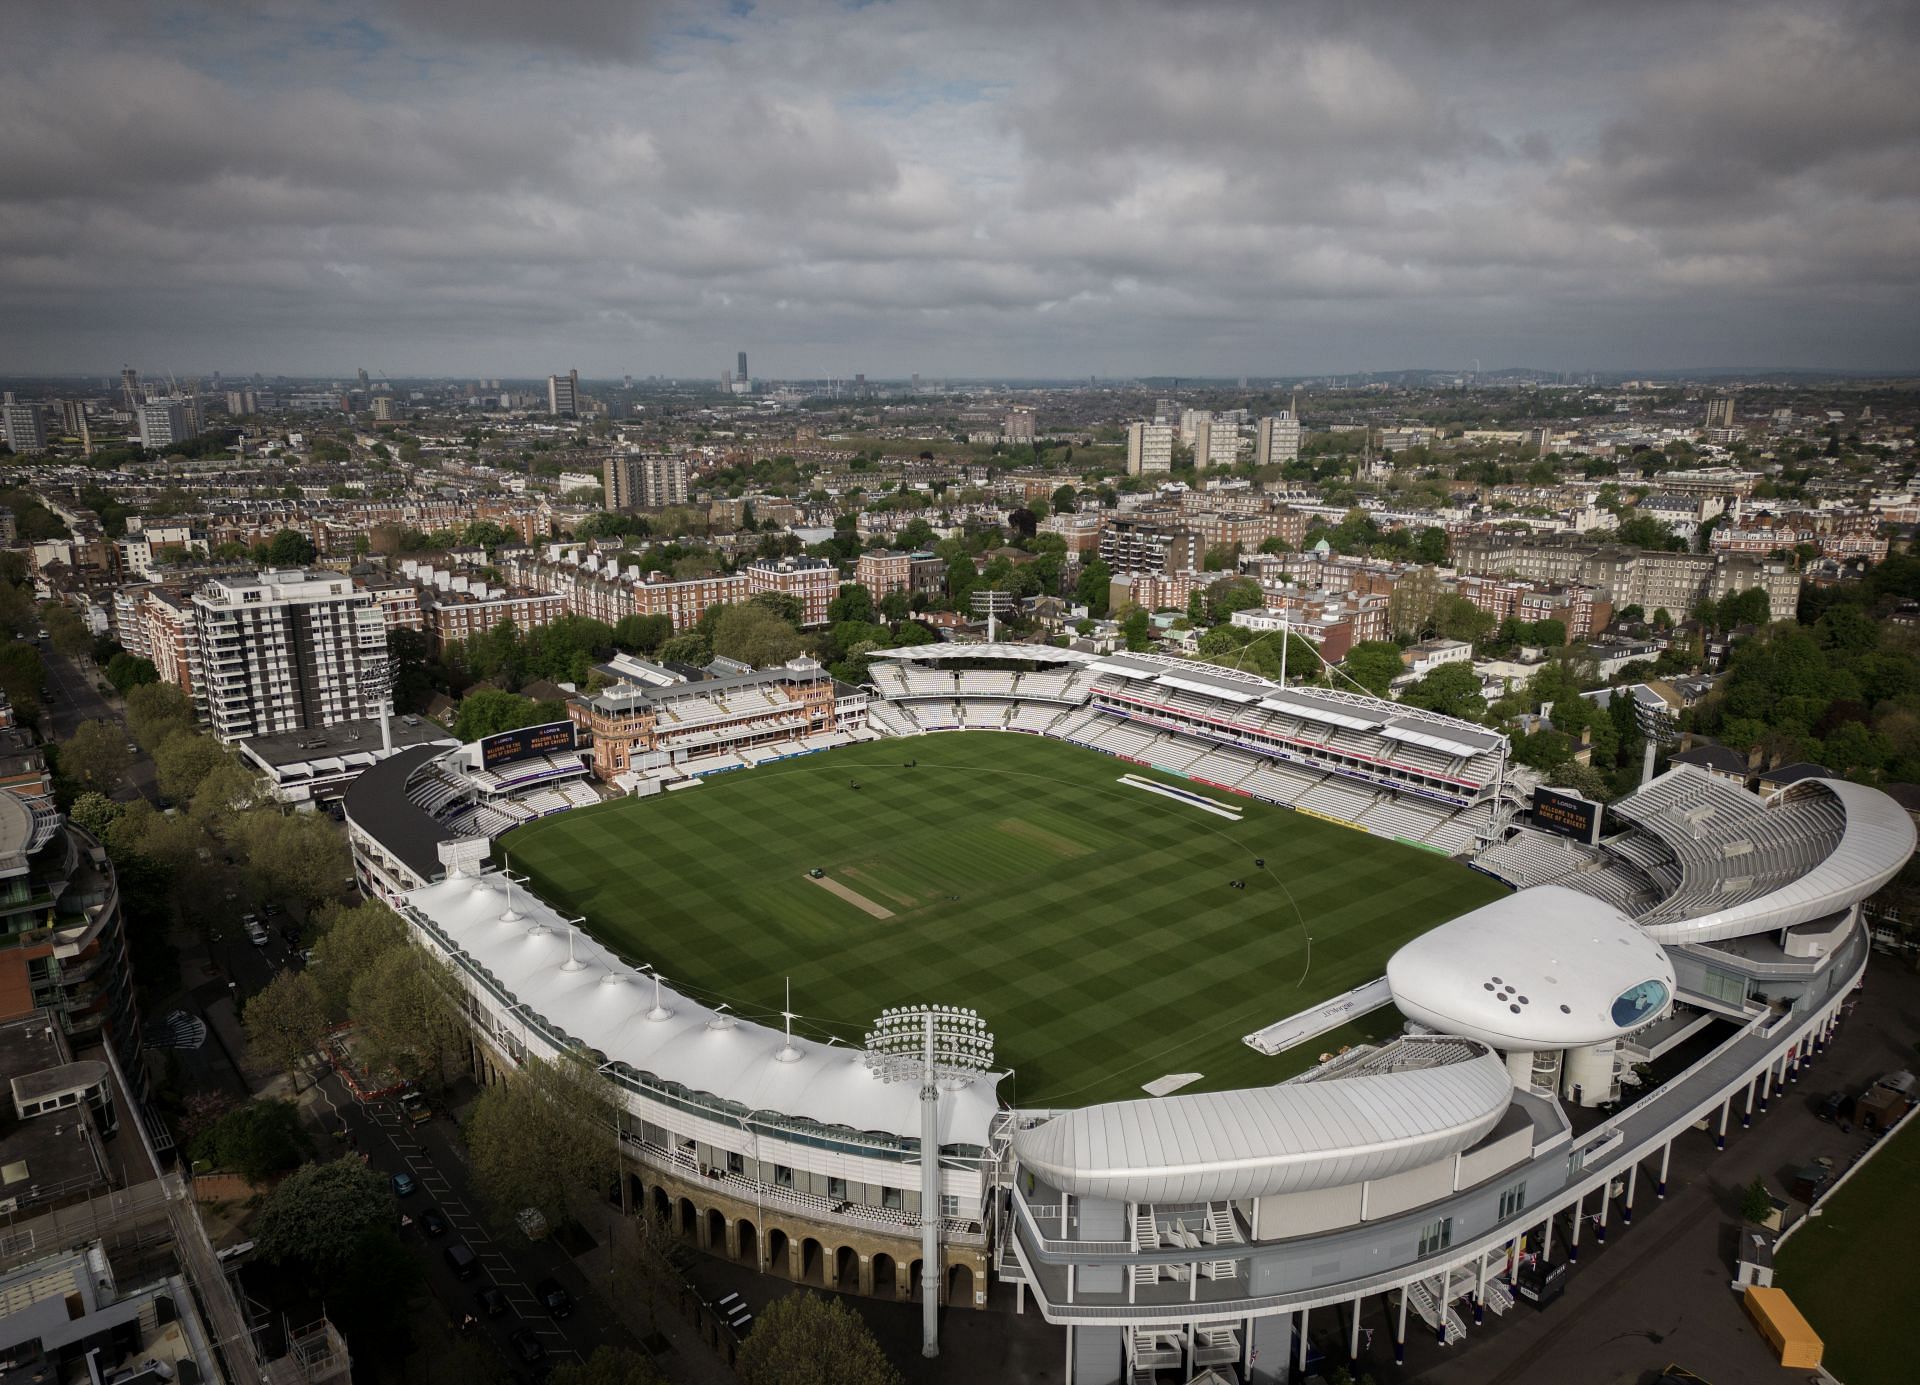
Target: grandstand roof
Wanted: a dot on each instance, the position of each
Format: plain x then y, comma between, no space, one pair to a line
597,999
377,801
1546,967
1037,653
1291,1138
1874,844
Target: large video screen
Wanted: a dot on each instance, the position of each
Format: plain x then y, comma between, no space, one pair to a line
552,738
1556,810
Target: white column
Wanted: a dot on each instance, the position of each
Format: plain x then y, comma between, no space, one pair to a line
1302,1351
1353,1337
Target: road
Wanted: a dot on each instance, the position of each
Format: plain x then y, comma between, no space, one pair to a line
435,1156
76,699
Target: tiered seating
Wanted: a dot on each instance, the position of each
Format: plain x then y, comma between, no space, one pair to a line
984,713
888,677
580,795
1533,858
895,718
1403,817
1335,796
1029,716
435,792
984,683
1278,783
1454,835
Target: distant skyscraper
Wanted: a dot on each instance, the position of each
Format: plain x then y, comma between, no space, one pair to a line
644,482
1279,440
24,425
1019,426
563,394
363,377
130,388
1720,412
73,417
916,382
742,371
164,423
1149,448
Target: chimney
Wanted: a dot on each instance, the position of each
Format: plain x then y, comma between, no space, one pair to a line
386,727
1646,763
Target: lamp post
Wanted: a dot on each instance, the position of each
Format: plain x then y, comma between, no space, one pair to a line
936,1045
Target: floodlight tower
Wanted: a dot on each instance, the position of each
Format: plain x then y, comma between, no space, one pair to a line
940,1046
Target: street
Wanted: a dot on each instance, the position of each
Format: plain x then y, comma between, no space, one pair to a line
75,699
434,1155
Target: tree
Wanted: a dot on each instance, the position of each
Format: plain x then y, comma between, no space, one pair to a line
407,1004
94,813
1430,546
547,1132
1095,587
66,631
293,856
1374,664
256,1140
489,711
352,939
1750,607
1064,499
182,761
1231,594
318,1216
755,634
642,634
155,711
691,647
854,602
285,1022
1756,1203
290,548
1452,690
229,790
1137,629
127,671
1549,633
607,1366
805,1339
1456,618
95,756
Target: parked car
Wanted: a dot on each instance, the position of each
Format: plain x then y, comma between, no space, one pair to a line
461,1260
526,1344
256,934
1834,1107
431,1222
492,1302
554,1297
403,1185
414,1108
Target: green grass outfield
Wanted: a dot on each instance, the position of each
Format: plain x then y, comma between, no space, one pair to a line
1091,924
1847,1270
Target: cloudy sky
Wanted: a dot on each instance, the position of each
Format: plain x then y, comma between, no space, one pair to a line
967,188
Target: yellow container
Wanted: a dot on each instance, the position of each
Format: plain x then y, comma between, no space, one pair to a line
1783,1327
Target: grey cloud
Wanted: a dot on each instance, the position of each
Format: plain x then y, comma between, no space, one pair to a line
982,189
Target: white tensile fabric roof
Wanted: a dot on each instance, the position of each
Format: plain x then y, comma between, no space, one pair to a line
1251,1143
827,1083
1874,846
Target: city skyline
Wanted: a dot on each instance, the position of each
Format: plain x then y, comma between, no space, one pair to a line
1130,192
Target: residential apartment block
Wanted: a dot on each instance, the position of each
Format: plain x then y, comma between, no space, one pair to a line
287,650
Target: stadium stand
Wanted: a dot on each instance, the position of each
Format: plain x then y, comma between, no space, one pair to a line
1396,771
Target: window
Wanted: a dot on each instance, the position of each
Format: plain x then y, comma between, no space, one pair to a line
736,1163
782,1176
949,1204
837,1189
1724,986
890,1197
1436,1236
1512,1200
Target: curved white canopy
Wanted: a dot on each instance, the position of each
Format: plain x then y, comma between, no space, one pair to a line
1542,968
603,1003
1290,1138
1877,840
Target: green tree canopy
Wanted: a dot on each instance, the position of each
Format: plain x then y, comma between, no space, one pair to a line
256,1140
1374,664
95,756
1452,690
807,1339
755,634
290,548
488,711
318,1215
